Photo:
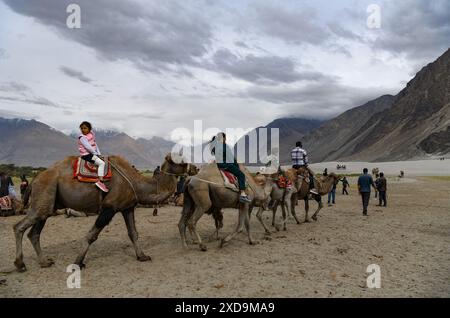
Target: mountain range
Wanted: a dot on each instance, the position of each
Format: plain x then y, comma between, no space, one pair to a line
414,124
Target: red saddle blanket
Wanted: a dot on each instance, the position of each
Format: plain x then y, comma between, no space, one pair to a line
284,182
85,171
230,177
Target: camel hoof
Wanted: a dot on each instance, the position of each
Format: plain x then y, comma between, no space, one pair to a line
222,243
20,266
307,220
144,258
155,212
203,248
46,263
314,218
268,233
254,242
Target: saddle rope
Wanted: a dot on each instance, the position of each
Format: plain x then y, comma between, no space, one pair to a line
126,178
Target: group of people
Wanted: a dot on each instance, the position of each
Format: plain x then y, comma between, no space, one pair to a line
225,160
8,193
332,193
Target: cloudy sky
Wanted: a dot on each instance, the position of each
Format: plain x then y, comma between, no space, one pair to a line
149,67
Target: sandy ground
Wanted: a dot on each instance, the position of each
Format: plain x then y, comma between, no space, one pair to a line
409,240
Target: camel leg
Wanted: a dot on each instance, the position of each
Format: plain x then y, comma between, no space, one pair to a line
283,212
274,211
247,227
192,224
291,207
102,220
182,229
34,236
19,229
250,209
240,226
306,210
319,201
260,219
128,216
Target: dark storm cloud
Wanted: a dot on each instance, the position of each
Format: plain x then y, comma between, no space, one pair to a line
75,74
420,29
154,34
262,69
319,99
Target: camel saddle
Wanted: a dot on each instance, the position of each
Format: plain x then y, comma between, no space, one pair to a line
85,171
6,203
230,181
284,182
303,173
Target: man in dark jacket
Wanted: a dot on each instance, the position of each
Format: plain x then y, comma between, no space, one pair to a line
226,161
345,184
365,181
382,187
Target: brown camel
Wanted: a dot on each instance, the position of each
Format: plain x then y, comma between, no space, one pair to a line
205,193
55,188
323,186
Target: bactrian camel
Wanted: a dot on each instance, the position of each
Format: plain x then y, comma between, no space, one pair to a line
55,188
205,193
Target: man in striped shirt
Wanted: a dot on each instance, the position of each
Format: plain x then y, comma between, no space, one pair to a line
300,159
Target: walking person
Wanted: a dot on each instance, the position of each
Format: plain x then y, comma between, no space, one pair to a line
23,185
365,181
377,180
345,184
382,187
332,195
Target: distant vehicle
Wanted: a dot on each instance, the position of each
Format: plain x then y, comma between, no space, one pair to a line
339,167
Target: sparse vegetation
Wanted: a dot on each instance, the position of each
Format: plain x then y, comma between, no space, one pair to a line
14,171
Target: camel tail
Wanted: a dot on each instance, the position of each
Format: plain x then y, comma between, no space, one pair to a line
188,204
26,197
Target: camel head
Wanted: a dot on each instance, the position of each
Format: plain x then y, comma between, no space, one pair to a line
177,166
336,178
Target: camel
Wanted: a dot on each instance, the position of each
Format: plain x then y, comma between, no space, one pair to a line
323,185
55,188
279,196
267,184
205,193
375,171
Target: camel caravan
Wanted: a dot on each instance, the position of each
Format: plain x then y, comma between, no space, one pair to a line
104,186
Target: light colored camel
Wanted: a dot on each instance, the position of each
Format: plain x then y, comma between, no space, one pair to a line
205,193
323,185
55,188
267,184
